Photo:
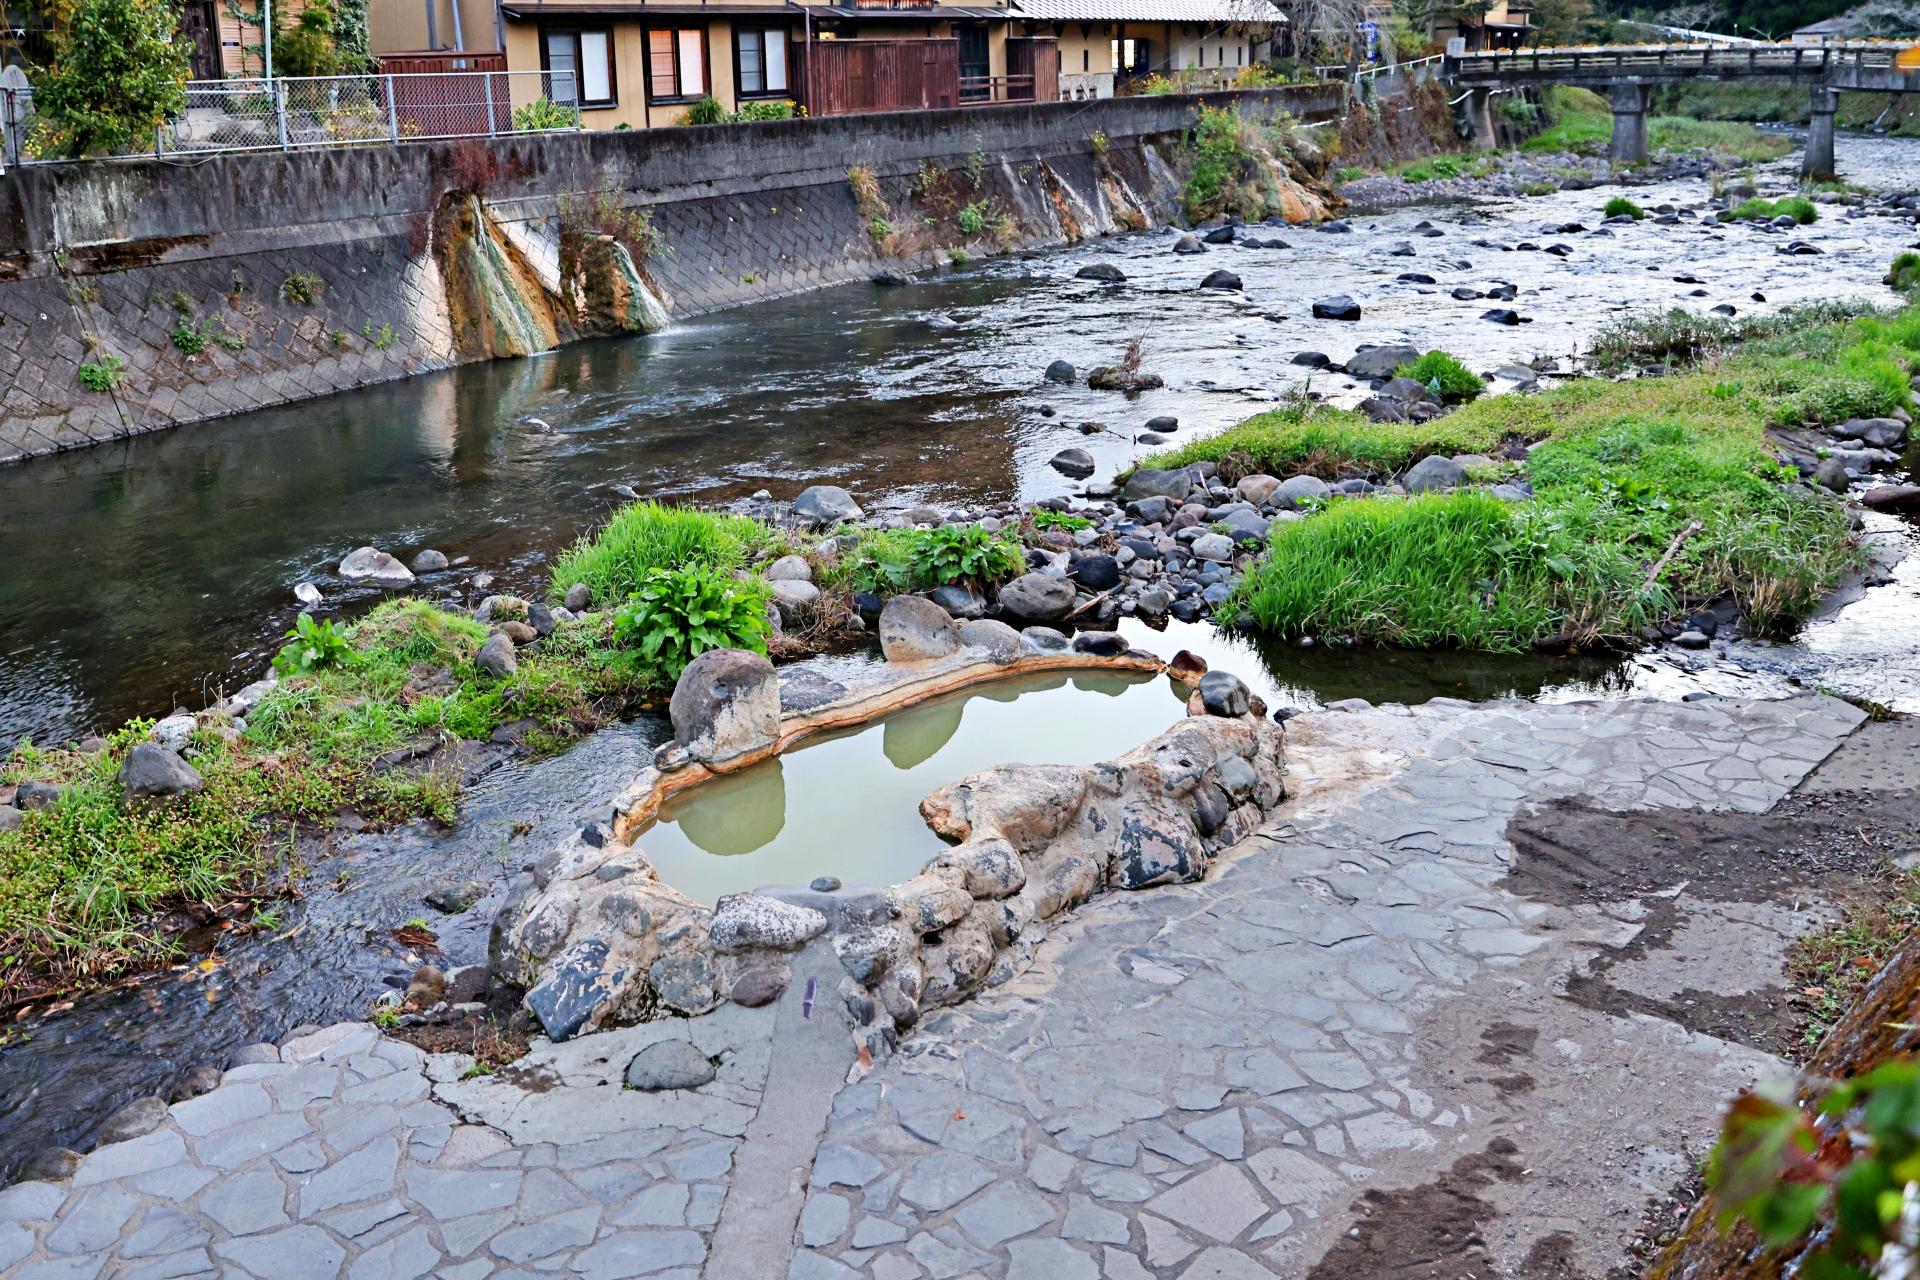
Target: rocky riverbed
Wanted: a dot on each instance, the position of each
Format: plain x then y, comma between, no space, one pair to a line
1236,354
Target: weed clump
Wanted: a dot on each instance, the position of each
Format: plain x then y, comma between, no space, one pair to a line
1621,207
1443,375
644,537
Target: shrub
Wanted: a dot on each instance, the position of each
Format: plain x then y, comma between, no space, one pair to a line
753,111
646,536
706,111
187,337
1218,157
1444,375
1905,275
118,74
678,614
1519,111
1620,205
313,645
972,219
1799,208
102,375
544,113
895,560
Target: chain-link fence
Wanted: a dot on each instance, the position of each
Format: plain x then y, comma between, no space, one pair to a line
323,111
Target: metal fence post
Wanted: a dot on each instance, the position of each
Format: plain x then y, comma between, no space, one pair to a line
393,113
491,128
280,110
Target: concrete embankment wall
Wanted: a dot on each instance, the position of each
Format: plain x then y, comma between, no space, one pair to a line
237,282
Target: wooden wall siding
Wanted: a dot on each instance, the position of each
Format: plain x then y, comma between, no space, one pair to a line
1037,57
850,77
450,60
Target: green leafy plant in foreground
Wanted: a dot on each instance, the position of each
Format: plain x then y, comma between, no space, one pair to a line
1044,518
1836,1171
314,645
1444,375
644,536
678,614
895,560
103,374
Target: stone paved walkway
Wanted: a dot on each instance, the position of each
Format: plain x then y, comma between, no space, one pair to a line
1197,1082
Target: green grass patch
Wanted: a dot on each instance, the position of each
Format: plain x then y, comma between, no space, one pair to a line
1649,496
1732,140
1905,274
1580,120
80,879
1620,206
644,536
889,561
1799,208
1444,375
1317,440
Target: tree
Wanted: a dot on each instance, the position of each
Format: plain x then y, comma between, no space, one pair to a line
1557,22
119,73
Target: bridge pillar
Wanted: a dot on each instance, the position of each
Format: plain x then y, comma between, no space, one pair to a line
1818,162
1629,145
1480,116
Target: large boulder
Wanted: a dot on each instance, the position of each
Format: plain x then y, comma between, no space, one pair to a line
1061,371
1035,597
371,565
915,629
1224,694
1434,473
749,921
1102,271
1831,474
1381,361
1302,488
1148,483
725,706
151,772
826,504
496,656
1892,497
1074,462
1338,307
1881,433
1221,280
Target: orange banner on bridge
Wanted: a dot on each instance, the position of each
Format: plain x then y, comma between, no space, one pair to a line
1908,59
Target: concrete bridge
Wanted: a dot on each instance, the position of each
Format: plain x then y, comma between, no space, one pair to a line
1628,73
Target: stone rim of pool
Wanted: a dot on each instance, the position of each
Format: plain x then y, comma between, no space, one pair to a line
594,937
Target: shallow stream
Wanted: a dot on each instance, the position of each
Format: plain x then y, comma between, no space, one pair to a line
135,576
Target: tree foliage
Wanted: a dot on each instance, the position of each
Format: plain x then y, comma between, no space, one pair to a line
119,72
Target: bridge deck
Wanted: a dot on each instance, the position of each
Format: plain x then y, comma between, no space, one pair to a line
1852,65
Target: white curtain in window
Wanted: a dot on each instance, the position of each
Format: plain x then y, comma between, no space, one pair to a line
596,67
776,52
693,69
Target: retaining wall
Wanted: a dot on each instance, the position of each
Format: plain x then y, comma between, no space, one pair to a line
299,274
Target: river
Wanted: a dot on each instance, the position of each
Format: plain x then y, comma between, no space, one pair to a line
144,574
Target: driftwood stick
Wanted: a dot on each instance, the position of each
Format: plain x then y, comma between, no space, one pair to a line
1653,574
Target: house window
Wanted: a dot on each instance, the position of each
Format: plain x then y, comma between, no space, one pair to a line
677,64
1086,59
580,66
1203,55
760,61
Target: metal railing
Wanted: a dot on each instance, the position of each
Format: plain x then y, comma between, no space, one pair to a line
285,114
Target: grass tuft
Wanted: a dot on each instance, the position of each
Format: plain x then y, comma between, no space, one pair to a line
1799,208
644,536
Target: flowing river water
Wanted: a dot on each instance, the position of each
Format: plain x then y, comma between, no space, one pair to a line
143,575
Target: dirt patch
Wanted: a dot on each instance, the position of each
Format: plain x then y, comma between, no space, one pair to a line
1814,846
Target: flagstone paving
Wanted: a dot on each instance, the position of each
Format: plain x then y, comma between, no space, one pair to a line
1209,1082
